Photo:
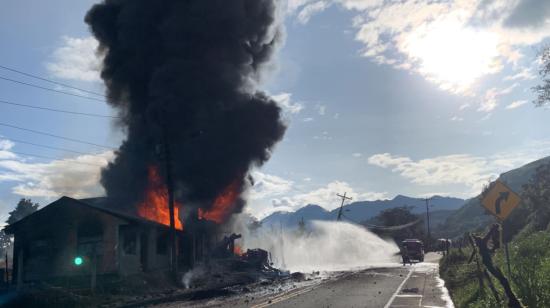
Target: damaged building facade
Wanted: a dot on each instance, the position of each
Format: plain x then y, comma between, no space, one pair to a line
68,237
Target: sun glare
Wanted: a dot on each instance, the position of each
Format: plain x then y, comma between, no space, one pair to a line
453,55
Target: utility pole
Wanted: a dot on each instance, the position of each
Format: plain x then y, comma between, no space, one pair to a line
340,212
283,263
170,188
428,221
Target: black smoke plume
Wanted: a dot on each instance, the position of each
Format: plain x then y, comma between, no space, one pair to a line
183,73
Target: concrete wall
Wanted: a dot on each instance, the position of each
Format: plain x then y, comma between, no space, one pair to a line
58,227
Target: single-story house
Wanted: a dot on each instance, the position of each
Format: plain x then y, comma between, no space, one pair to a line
68,236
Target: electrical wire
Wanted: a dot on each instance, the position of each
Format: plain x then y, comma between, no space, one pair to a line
50,81
48,147
387,228
59,110
55,158
52,90
56,136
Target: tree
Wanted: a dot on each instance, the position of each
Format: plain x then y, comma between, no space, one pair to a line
24,208
536,196
400,216
543,90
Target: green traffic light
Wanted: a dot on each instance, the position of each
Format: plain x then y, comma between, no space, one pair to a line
78,261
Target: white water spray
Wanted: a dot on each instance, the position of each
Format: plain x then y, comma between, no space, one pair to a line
324,246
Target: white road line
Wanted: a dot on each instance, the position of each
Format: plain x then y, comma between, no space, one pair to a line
410,295
398,289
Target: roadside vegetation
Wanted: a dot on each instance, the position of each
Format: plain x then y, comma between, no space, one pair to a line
530,274
527,232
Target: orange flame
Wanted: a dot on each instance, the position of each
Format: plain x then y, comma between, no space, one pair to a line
223,206
155,204
237,250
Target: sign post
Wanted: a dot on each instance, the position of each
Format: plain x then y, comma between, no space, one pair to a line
500,201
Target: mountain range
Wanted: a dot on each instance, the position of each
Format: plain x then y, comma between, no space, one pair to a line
440,209
449,217
473,217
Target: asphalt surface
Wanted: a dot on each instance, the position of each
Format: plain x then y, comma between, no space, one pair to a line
398,286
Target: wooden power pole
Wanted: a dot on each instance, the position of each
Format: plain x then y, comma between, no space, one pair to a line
340,212
428,221
170,187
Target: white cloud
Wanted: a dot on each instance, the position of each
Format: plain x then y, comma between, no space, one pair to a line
272,193
360,4
76,59
490,101
285,101
357,155
464,106
311,9
5,147
451,43
525,74
321,109
295,5
457,119
324,136
470,171
77,177
309,119
326,197
267,185
516,104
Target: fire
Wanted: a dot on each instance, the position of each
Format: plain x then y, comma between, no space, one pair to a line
223,206
155,204
237,250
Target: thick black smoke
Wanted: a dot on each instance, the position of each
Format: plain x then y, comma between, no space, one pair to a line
183,73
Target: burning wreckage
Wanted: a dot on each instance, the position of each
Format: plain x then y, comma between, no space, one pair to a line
183,77
71,238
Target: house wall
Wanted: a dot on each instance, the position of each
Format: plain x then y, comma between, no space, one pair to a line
49,243
132,263
59,229
155,260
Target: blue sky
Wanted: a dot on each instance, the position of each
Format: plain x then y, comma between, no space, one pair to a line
381,97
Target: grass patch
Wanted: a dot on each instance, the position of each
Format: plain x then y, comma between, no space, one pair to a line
530,274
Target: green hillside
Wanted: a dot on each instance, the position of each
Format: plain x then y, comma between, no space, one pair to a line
472,216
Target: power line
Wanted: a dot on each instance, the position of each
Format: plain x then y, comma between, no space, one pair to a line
50,81
384,228
48,147
58,110
56,136
55,158
52,90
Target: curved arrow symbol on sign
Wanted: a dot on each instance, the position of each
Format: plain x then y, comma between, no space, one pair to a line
503,197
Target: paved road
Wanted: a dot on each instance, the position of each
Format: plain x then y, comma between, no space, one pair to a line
409,286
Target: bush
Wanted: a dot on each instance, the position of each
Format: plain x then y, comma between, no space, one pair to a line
530,263
530,273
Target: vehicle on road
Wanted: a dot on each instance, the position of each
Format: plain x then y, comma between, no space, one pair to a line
412,250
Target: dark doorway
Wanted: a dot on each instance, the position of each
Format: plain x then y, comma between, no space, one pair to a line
144,245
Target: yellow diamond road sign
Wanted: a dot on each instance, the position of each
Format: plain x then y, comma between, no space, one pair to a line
500,200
